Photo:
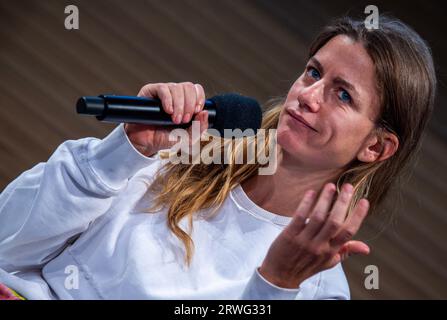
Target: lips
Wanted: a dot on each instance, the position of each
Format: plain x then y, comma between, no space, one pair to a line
300,119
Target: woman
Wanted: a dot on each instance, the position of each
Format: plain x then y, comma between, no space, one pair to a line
79,227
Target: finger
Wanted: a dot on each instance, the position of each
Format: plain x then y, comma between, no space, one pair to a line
158,90
164,94
190,101
338,214
320,211
302,212
349,249
204,122
352,224
202,117
194,141
355,247
200,97
148,91
178,102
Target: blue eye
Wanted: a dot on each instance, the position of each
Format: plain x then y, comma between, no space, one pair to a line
313,73
344,96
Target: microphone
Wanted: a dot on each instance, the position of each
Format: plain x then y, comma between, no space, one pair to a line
226,111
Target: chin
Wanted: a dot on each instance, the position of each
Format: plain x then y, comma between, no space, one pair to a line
288,141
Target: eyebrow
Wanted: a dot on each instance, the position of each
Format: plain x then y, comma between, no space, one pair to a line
337,80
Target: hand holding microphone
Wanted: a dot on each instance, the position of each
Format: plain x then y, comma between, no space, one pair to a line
162,107
183,101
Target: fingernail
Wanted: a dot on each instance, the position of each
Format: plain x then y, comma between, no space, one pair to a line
348,188
178,118
186,117
198,108
310,193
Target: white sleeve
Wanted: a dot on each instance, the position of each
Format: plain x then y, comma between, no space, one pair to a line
55,201
333,285
330,284
258,288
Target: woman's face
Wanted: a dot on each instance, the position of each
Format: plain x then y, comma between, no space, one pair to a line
337,96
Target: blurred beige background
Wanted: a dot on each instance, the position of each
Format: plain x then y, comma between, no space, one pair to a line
256,48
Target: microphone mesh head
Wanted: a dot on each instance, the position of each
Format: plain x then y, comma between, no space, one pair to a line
234,111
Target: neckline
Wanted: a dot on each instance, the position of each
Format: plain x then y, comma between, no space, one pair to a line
242,199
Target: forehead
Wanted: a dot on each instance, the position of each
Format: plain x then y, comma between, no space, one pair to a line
343,57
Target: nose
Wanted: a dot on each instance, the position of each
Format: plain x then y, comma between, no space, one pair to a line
310,97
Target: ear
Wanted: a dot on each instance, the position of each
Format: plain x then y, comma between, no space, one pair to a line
379,146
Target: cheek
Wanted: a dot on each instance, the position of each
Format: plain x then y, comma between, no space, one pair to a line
346,141
334,146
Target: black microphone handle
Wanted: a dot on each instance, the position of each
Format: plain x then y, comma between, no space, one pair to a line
129,109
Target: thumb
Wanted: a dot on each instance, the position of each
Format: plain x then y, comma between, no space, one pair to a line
203,121
354,247
202,117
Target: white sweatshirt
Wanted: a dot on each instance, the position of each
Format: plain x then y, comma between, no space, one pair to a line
75,228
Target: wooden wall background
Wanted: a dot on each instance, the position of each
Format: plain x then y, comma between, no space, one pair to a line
256,48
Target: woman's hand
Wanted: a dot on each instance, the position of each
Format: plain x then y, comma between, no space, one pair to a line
315,239
182,101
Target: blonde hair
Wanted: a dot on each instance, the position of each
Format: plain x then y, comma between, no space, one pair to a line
188,188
